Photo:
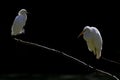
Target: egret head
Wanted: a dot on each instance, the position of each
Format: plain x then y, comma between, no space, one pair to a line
22,11
86,30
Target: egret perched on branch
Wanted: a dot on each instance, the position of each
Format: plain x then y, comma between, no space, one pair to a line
19,23
93,39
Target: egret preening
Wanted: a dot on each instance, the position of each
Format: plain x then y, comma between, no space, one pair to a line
19,23
93,39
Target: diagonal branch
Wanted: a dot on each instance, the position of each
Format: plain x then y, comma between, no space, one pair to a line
60,52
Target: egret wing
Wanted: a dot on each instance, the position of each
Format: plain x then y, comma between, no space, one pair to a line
18,24
97,42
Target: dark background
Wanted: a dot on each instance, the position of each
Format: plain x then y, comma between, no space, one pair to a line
56,24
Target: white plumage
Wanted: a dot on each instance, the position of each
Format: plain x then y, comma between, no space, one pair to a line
93,39
19,23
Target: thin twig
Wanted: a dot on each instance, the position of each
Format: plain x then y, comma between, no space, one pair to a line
110,60
54,50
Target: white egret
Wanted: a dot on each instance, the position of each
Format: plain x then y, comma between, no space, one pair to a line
19,23
93,39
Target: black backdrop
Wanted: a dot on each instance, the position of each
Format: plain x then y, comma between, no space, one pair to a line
57,25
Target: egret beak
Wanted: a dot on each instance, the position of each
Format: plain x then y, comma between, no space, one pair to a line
27,13
80,34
